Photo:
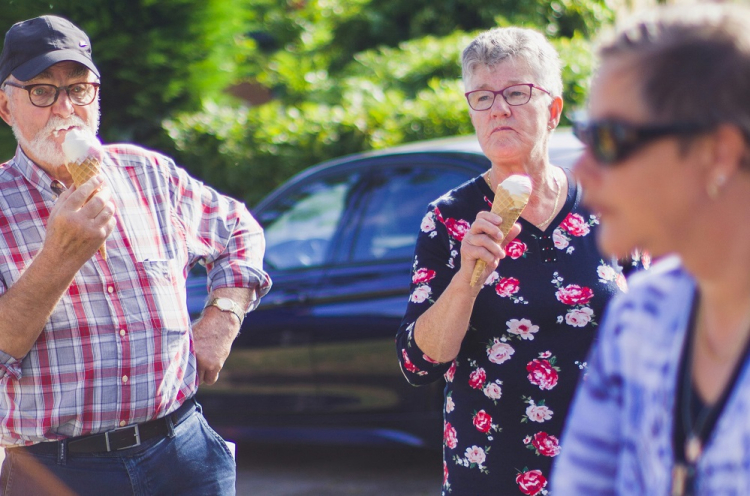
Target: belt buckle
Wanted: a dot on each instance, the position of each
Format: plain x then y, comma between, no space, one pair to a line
136,435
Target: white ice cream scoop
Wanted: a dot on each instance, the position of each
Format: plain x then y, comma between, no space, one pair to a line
81,144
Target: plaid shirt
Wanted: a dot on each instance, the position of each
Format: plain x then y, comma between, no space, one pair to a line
117,348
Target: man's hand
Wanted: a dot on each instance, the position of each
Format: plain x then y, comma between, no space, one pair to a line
80,222
215,331
213,335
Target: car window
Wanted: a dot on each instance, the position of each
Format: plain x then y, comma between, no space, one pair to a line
396,202
300,226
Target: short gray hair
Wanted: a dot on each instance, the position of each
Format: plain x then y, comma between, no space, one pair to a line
693,62
497,45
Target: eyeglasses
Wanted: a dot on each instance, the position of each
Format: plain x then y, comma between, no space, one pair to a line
612,141
517,94
45,95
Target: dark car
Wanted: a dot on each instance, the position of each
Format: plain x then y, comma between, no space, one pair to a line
316,361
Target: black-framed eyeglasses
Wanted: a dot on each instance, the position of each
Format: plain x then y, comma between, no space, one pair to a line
611,141
516,94
45,95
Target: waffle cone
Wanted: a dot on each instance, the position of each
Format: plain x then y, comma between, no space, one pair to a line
509,207
82,172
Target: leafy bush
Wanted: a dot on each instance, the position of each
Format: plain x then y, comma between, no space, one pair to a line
385,97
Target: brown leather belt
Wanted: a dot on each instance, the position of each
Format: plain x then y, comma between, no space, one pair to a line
126,437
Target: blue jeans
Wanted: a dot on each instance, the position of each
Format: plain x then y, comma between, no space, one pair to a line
196,461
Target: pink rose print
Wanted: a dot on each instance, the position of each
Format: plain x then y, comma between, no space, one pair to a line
493,391
421,293
422,276
475,454
439,215
483,421
575,225
546,444
499,352
407,363
579,317
449,405
522,328
516,249
531,482
507,286
449,436
606,273
542,374
450,373
538,413
560,240
428,223
477,378
573,294
445,473
457,228
622,283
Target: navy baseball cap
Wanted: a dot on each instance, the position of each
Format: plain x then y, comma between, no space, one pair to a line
34,45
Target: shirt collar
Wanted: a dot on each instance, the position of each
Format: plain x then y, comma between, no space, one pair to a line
38,178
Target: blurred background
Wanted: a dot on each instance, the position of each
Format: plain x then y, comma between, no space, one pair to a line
245,93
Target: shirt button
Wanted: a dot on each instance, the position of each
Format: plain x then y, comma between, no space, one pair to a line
122,332
124,378
110,290
123,423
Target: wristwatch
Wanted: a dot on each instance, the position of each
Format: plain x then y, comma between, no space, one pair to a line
227,305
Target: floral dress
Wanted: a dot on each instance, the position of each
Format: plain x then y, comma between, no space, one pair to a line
508,390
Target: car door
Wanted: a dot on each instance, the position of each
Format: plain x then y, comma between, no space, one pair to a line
268,378
366,289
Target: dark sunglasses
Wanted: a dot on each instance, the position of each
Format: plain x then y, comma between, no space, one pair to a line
612,141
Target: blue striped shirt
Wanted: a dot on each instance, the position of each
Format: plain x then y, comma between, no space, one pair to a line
618,439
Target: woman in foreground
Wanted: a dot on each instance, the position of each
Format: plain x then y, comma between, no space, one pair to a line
665,406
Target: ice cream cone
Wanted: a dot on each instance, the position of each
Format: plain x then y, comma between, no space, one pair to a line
82,172
511,198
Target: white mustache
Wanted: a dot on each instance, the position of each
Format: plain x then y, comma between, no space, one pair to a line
56,124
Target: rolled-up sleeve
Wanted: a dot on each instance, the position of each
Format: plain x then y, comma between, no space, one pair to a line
221,233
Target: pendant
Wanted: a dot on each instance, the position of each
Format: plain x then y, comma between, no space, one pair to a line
693,449
679,479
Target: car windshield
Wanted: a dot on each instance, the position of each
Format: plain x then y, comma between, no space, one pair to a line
300,228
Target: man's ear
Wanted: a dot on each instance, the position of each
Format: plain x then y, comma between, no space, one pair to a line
5,107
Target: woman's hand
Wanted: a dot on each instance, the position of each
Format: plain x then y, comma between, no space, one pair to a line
484,241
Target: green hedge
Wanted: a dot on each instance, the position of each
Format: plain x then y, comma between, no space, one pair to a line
385,97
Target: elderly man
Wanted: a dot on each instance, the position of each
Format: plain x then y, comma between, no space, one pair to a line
98,360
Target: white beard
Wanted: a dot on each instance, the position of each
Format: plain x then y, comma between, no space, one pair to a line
43,148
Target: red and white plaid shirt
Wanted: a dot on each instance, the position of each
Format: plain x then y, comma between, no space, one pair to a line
117,349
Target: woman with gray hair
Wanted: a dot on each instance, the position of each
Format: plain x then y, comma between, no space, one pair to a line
512,347
665,408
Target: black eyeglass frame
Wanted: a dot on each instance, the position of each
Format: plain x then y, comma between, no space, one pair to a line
612,141
30,87
500,92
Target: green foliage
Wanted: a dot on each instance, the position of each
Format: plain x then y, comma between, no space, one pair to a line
346,75
156,57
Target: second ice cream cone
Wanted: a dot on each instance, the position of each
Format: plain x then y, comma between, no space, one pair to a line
511,198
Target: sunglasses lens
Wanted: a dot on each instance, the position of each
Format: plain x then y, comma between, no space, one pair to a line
605,143
601,139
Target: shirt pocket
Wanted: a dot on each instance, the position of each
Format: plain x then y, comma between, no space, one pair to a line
163,292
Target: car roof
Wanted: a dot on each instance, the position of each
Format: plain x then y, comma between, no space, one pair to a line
564,149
